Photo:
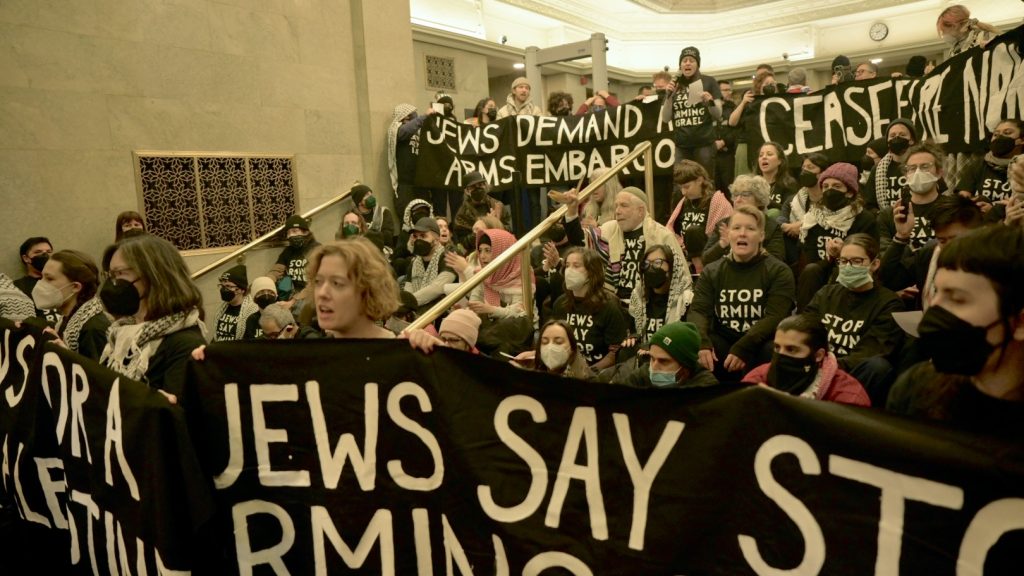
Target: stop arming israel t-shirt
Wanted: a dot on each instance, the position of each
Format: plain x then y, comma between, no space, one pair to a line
984,181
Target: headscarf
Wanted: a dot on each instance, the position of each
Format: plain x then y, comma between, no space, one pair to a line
510,273
401,111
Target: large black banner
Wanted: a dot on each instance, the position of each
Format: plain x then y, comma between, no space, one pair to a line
104,461
956,105
369,457
331,457
541,150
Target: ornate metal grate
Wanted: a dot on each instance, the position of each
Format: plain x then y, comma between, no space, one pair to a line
441,73
199,201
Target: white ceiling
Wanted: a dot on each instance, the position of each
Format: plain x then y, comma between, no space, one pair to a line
732,35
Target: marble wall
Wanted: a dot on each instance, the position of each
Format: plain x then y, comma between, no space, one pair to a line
83,83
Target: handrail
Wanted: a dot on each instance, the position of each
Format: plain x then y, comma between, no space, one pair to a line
242,250
526,241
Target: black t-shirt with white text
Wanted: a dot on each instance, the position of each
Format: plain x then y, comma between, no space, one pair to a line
923,231
595,328
693,214
860,324
294,261
693,124
227,323
985,181
657,307
632,257
816,241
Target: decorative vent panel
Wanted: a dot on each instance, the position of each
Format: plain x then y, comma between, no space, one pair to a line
199,201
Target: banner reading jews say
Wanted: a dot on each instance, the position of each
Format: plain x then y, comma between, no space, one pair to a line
541,150
102,461
367,457
957,105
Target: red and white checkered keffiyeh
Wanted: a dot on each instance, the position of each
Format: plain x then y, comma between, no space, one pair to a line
509,274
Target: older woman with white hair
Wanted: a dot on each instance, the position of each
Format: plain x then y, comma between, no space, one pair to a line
748,190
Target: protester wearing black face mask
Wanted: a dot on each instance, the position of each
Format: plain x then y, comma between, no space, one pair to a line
35,252
264,295
428,271
985,180
973,333
159,313
802,365
485,112
886,180
839,214
236,306
380,224
560,104
292,261
477,202
659,298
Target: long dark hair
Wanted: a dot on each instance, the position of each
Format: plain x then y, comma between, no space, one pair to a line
573,349
169,285
593,265
783,178
478,111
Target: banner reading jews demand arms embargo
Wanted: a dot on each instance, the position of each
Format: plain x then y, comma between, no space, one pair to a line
957,106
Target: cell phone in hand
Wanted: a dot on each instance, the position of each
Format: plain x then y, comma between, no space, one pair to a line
905,197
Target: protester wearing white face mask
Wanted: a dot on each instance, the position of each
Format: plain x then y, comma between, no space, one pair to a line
556,352
592,312
672,362
923,171
69,283
857,312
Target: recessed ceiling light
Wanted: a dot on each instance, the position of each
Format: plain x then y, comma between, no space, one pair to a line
876,60
519,65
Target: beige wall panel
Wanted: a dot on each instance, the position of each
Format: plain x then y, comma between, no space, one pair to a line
301,86
331,131
72,62
33,119
194,75
83,84
181,24
263,35
69,196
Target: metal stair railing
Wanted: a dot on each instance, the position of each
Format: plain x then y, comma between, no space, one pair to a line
521,248
242,250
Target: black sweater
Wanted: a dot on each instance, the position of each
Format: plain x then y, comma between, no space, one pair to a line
860,324
742,302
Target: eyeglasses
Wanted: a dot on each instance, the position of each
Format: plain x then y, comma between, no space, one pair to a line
656,263
853,261
742,194
908,168
119,273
